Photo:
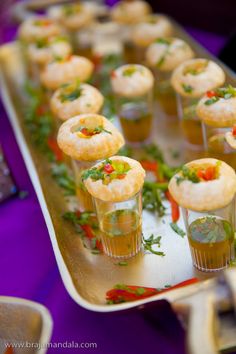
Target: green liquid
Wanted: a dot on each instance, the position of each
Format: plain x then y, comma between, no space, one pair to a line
211,240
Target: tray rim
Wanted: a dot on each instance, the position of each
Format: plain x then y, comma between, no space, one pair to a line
47,321
171,295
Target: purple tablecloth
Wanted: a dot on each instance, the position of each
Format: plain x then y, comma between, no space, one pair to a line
29,270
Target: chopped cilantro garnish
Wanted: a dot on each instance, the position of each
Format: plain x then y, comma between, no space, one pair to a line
223,92
177,229
187,174
129,71
150,242
70,92
163,41
211,101
93,173
187,88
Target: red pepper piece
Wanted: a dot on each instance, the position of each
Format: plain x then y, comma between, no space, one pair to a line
97,60
175,214
9,350
208,174
52,144
86,132
122,176
89,233
234,130
99,245
149,166
113,74
108,168
211,94
41,110
125,293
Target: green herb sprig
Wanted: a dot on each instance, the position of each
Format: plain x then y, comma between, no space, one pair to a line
177,229
62,176
150,242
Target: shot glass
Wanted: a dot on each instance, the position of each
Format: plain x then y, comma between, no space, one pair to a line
190,123
211,237
165,94
216,145
136,117
121,226
85,202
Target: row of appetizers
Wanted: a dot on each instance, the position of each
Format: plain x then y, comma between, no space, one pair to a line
113,184
179,82
205,189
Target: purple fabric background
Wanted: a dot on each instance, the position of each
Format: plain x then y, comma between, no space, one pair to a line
29,270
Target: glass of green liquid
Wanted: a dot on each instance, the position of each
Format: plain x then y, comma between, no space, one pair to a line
120,224
211,237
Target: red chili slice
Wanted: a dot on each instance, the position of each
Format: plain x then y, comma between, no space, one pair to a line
211,94
122,176
113,74
41,110
125,293
9,350
149,166
108,168
234,130
52,144
175,214
208,174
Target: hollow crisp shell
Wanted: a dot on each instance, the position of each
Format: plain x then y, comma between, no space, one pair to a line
97,147
45,55
213,76
205,196
118,189
59,72
137,84
170,56
30,32
90,101
220,113
130,12
144,33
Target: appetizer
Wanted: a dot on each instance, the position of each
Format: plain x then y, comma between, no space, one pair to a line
87,138
125,12
151,27
163,56
115,185
205,190
43,51
38,28
217,111
72,16
191,80
61,71
132,84
75,98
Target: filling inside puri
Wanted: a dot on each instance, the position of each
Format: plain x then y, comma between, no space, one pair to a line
108,171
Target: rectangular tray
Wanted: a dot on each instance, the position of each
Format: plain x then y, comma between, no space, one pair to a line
24,321
87,277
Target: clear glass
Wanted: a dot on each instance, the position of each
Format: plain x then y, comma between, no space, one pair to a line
136,117
190,123
165,94
121,226
85,202
211,237
216,145
84,42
